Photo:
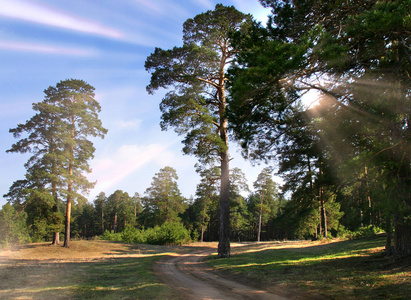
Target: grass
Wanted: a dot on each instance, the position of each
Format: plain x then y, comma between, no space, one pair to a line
336,270
87,270
106,270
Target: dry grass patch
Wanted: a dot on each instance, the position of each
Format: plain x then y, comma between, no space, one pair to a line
87,270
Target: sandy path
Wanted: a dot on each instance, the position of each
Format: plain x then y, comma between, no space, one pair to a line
190,276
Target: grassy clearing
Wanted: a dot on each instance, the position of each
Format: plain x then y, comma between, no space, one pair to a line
88,270
338,270
106,270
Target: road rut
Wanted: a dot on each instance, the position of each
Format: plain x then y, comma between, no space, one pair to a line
192,278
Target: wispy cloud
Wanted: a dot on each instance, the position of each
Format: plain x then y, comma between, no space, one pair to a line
38,48
127,125
174,10
32,12
115,167
205,3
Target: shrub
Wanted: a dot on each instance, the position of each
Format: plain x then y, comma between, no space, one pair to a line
111,236
133,235
173,234
170,233
362,232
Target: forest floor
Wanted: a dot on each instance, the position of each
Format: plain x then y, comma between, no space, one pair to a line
268,270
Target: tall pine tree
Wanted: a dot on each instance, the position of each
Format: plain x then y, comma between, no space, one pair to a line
196,106
58,137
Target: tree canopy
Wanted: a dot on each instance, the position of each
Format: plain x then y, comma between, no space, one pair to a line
355,54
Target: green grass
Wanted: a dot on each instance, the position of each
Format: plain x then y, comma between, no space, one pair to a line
338,270
105,270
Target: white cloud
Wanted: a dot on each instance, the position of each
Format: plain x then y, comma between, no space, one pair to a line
49,49
206,3
171,9
127,125
31,12
112,168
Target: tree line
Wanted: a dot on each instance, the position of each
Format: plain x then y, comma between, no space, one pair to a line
162,203
345,162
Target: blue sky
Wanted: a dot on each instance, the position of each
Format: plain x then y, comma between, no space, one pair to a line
104,43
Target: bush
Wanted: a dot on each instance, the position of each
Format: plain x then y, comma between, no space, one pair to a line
133,235
111,236
173,234
362,232
170,233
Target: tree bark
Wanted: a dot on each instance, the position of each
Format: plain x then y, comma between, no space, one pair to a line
102,219
260,218
115,222
224,236
68,216
202,224
388,229
69,192
402,235
323,213
56,234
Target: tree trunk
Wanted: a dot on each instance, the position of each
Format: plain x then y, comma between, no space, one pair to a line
102,219
56,234
367,195
69,194
68,216
259,226
323,213
320,226
115,223
388,229
260,217
202,223
402,235
224,235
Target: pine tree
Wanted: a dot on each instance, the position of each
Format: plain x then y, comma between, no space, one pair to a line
163,198
58,138
196,107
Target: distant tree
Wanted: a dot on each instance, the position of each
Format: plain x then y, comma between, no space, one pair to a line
206,195
40,215
267,191
163,198
100,208
196,107
137,205
239,222
121,211
84,220
13,228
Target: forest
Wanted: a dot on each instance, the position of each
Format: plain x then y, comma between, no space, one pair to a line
345,158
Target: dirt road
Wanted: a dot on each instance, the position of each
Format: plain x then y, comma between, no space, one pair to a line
190,276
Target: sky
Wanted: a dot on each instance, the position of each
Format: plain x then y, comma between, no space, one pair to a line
104,43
